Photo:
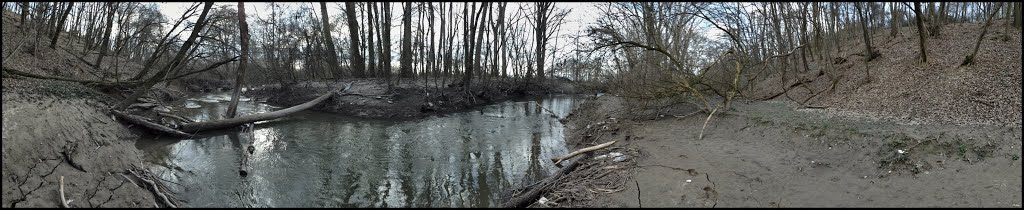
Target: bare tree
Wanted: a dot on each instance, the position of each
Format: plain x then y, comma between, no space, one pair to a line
176,62
332,55
243,28
894,23
870,53
984,29
353,30
111,7
921,32
60,25
406,59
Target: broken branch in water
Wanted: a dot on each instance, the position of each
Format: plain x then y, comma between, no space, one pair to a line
225,123
531,195
558,160
156,190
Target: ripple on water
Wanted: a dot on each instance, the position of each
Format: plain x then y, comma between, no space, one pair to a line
457,160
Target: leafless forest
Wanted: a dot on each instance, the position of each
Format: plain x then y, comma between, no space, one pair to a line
86,80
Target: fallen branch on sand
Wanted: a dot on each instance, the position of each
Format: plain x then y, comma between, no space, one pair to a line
701,136
558,160
63,202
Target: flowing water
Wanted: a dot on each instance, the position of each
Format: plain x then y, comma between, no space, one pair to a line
315,159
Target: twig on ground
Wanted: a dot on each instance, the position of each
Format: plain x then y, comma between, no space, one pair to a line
558,160
63,201
701,136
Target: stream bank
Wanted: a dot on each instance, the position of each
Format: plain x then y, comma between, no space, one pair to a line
409,99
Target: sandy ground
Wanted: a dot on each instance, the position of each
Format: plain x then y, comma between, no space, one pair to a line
54,129
774,154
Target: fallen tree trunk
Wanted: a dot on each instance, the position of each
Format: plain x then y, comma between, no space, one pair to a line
193,127
151,125
524,199
227,123
558,160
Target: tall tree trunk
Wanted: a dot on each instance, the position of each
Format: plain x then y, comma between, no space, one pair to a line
385,40
371,47
432,51
243,29
870,53
60,25
540,30
467,42
1006,24
332,53
499,39
111,7
803,41
894,23
938,17
24,15
478,43
1016,15
921,32
176,62
984,29
406,59
353,31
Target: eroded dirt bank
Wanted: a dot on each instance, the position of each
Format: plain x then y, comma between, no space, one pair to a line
53,129
774,154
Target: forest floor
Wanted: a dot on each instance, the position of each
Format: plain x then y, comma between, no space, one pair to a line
916,135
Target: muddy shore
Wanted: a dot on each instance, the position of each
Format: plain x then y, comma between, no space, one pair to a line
775,154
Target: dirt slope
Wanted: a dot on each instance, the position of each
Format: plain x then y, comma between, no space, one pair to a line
903,89
53,129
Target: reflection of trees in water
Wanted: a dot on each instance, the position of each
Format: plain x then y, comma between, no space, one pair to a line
370,164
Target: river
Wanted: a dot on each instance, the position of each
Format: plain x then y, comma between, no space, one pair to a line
316,159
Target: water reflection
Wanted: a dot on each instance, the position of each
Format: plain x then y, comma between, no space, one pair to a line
320,160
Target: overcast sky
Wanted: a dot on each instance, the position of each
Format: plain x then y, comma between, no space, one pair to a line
581,15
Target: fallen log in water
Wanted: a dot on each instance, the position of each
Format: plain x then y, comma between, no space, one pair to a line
243,167
227,123
194,127
151,125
